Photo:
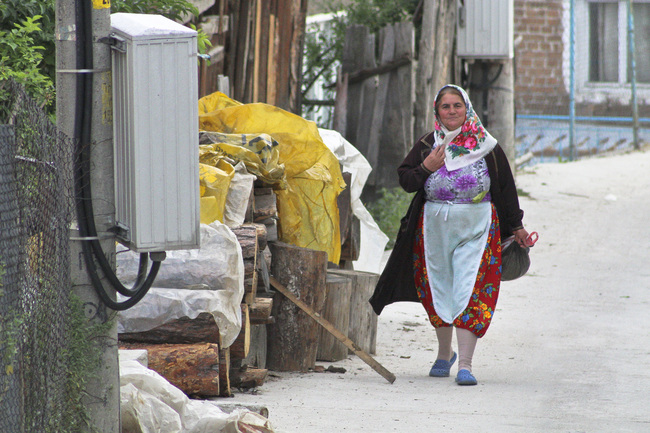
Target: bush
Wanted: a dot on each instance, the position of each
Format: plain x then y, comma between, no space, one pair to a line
388,210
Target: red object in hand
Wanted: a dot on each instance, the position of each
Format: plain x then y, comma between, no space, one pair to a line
531,239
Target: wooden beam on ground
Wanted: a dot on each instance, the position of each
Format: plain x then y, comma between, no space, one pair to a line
390,377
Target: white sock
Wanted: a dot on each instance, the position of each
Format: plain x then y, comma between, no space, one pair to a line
466,345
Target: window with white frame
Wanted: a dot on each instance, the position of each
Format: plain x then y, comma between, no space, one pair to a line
602,63
609,56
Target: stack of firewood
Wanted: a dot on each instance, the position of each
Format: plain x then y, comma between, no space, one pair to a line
189,352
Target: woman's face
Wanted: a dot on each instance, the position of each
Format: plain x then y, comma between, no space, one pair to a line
451,111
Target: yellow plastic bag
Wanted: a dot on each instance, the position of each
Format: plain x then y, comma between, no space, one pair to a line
259,152
214,181
307,208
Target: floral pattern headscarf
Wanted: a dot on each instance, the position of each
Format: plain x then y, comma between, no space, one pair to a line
467,144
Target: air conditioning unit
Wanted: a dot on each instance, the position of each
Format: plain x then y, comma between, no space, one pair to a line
155,115
485,29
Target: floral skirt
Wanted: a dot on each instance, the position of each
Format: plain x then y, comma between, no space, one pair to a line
478,314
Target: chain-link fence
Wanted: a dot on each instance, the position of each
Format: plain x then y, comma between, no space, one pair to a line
35,216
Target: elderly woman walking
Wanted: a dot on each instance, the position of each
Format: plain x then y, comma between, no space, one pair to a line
448,251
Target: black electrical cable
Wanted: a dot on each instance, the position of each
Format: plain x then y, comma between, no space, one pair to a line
85,212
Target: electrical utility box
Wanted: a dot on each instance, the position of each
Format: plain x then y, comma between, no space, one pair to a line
485,29
155,118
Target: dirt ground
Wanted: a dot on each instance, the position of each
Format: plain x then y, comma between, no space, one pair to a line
569,347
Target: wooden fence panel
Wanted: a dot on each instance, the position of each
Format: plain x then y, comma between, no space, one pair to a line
379,119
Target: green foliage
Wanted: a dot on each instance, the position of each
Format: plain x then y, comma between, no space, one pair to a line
376,14
324,48
203,41
83,357
27,45
21,59
173,9
388,210
17,11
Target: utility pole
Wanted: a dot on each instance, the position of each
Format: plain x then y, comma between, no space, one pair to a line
103,392
492,94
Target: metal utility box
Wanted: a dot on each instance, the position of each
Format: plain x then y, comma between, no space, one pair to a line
485,29
155,115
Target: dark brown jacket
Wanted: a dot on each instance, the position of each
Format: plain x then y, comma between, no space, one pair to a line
396,282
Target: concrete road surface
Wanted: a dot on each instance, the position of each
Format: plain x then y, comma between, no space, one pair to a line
569,347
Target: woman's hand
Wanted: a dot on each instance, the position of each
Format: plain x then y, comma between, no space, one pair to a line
521,237
435,159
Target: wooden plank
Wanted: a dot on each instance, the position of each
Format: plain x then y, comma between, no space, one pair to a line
376,130
259,345
354,47
367,96
258,56
271,90
341,103
352,245
265,38
224,372
397,133
390,377
344,203
240,347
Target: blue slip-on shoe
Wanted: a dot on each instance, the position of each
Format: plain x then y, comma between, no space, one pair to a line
441,367
464,377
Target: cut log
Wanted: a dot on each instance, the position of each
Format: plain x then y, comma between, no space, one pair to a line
363,320
293,338
337,312
260,311
263,269
261,236
179,331
250,290
246,378
193,368
239,349
224,372
247,237
265,206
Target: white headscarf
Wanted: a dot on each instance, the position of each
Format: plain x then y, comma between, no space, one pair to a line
467,144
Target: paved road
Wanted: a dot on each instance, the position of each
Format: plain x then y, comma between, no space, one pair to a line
568,350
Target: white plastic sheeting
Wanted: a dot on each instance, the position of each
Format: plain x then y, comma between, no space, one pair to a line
372,238
150,404
239,195
190,282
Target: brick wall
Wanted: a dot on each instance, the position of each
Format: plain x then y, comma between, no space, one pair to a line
539,86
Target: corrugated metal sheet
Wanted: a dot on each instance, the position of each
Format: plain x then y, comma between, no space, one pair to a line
155,99
485,29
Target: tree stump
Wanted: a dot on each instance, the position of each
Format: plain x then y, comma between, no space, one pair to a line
362,327
293,338
337,312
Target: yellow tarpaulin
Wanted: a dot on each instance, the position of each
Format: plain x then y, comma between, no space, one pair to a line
214,181
306,199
